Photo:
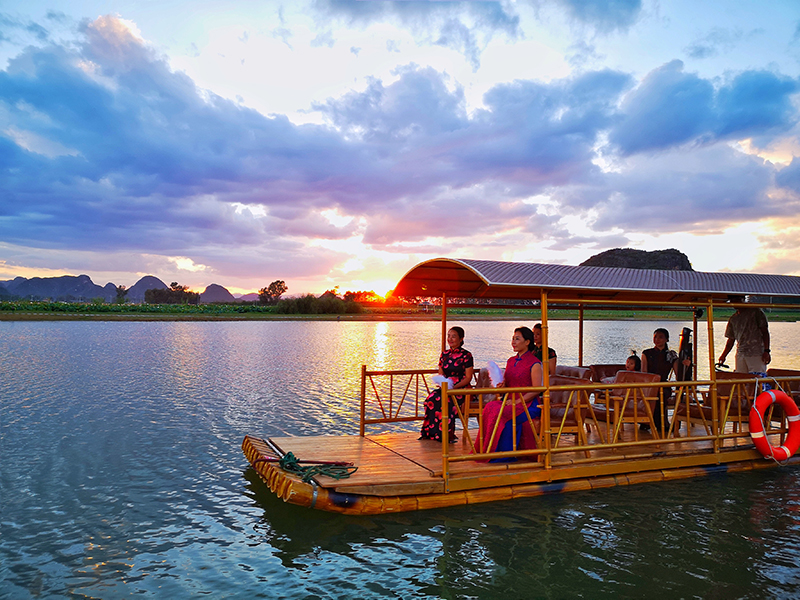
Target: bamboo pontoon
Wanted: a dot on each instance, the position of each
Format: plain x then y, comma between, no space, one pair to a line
397,472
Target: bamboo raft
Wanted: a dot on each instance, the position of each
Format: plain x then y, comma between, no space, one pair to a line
396,472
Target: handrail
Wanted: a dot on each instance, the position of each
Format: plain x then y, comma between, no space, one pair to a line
699,396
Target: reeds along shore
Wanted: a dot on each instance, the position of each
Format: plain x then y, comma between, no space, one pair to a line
27,310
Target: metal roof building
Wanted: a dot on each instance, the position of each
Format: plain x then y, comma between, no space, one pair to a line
486,279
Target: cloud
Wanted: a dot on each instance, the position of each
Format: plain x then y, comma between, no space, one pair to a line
105,148
466,27
605,16
711,187
14,29
671,107
719,39
756,103
789,177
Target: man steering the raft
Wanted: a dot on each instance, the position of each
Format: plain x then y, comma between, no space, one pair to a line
749,329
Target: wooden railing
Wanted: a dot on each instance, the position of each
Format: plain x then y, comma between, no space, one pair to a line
395,397
720,418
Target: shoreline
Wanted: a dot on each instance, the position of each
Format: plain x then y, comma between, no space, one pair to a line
44,316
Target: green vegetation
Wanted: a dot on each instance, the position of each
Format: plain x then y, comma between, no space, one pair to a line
330,304
25,306
327,304
174,294
272,293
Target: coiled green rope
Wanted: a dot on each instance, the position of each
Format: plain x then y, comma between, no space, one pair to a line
292,465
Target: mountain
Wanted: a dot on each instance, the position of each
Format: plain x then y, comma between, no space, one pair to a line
628,258
81,288
137,290
216,293
253,297
66,288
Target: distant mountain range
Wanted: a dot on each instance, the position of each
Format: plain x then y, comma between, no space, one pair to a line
81,288
70,288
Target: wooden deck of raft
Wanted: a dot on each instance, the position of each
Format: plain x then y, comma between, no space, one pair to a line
396,471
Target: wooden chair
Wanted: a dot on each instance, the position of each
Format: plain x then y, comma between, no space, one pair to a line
734,401
481,381
567,371
634,405
599,372
569,409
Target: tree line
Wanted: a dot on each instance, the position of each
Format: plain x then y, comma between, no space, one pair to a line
269,300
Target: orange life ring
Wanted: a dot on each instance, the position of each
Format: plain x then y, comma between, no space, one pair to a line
763,402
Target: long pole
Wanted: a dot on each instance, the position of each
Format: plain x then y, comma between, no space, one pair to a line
363,399
444,321
546,380
580,335
712,361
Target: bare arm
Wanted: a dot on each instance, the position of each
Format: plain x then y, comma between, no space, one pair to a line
728,348
551,366
536,381
644,363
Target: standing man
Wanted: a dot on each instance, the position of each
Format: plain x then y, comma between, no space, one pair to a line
748,328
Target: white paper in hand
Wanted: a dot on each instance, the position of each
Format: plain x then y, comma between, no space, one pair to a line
439,379
495,374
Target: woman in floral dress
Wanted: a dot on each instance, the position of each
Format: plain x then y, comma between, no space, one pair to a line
457,365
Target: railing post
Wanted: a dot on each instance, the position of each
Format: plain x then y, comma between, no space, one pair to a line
363,400
444,322
580,335
545,417
445,436
712,361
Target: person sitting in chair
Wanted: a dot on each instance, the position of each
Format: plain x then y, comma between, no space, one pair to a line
457,365
537,349
523,369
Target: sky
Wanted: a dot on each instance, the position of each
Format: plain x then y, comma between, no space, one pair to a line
334,143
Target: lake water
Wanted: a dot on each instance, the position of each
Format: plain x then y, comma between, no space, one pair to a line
121,475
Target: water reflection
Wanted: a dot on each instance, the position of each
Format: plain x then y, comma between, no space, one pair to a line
680,539
122,474
380,346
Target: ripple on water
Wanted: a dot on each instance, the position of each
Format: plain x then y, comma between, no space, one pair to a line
122,475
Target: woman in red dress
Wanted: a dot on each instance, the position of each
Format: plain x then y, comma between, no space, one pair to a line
522,370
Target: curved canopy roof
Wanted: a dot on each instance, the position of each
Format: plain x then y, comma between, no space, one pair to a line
478,279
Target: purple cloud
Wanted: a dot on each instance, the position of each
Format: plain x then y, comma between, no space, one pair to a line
671,107
107,149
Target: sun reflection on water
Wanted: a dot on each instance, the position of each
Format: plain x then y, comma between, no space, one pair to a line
381,345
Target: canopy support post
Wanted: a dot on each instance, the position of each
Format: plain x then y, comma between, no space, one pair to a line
545,420
711,362
444,321
580,335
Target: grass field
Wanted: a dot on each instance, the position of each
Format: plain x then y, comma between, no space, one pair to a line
27,310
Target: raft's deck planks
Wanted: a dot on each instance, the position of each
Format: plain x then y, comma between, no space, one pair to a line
376,464
400,464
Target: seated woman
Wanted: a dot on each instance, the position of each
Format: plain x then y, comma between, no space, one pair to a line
633,363
457,365
537,349
522,370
